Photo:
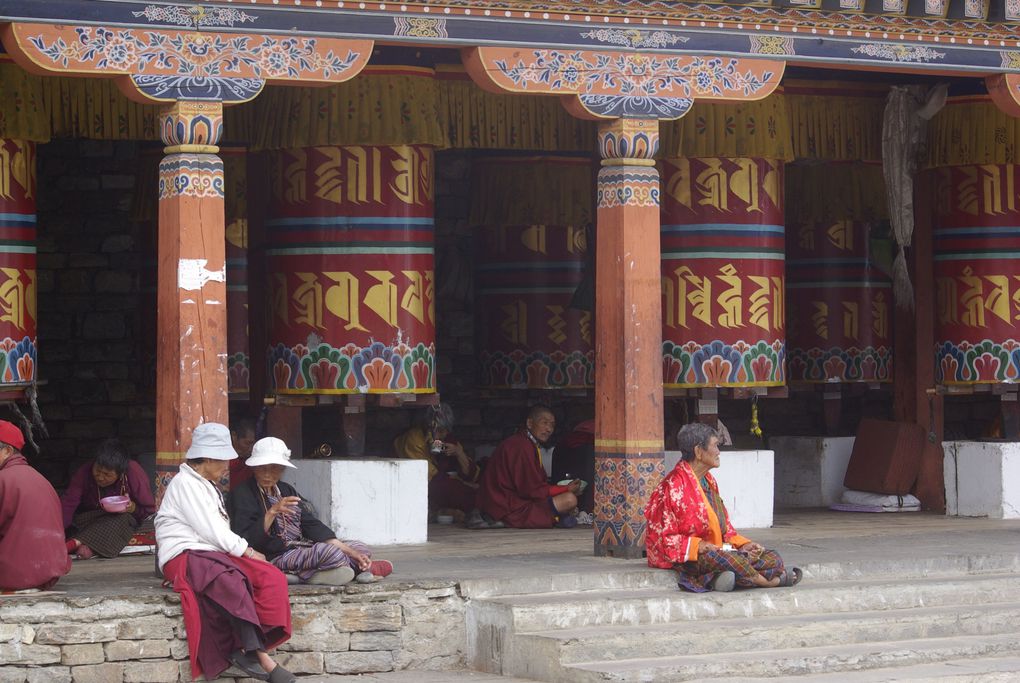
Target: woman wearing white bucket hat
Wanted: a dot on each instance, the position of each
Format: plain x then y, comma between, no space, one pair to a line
271,515
226,586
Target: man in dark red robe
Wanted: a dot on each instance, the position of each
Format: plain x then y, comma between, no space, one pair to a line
514,489
32,549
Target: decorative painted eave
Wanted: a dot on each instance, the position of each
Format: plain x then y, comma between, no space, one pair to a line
610,84
166,65
798,36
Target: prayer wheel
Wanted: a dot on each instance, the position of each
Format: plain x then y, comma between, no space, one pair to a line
235,178
723,314
18,354
977,274
838,298
531,257
350,270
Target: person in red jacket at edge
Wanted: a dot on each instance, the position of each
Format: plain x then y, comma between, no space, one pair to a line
514,490
33,554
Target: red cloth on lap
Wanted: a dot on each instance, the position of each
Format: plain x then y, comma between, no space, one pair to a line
251,590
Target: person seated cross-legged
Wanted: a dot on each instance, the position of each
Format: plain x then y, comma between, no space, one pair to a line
515,491
93,529
689,528
271,515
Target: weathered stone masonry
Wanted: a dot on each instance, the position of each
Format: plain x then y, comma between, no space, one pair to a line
125,639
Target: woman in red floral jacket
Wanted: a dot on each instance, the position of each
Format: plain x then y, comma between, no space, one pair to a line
689,529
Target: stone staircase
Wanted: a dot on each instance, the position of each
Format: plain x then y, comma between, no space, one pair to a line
946,619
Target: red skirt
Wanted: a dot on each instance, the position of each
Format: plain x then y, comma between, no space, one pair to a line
251,590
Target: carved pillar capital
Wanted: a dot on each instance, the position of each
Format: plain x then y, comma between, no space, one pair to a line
191,126
629,142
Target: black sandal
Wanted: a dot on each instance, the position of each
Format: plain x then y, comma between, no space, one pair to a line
249,663
281,675
791,577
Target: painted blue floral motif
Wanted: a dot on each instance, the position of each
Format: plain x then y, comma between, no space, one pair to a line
633,75
721,364
377,368
196,55
983,362
18,361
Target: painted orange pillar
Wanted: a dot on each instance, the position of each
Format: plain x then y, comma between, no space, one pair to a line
628,337
191,354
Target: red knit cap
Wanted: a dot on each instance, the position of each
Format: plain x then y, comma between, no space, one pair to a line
11,434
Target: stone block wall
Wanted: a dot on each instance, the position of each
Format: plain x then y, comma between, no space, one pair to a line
357,629
90,254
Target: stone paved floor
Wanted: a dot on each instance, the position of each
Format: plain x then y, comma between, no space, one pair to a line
417,677
456,554
870,543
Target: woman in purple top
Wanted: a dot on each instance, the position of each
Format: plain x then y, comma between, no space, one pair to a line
92,530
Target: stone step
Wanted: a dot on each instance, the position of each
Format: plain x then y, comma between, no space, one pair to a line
634,576
790,662
630,575
981,670
769,633
550,611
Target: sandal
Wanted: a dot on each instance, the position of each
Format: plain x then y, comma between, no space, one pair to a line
249,663
281,675
791,577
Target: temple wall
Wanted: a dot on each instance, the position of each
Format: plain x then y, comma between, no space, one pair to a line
95,383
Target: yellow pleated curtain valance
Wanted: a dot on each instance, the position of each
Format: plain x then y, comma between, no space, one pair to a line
971,130
22,107
384,105
532,190
835,121
476,119
747,129
835,190
95,109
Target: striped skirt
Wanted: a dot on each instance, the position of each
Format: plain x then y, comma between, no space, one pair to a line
304,561
105,533
697,575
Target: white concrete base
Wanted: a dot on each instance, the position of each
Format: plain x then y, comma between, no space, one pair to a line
378,501
982,479
810,469
745,482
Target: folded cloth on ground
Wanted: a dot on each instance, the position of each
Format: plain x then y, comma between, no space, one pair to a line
880,500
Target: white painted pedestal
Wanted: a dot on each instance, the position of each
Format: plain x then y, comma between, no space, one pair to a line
982,479
810,469
379,501
745,482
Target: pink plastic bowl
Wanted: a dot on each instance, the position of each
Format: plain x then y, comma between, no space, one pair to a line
115,503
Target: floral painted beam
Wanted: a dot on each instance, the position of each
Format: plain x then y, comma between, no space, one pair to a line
611,84
166,65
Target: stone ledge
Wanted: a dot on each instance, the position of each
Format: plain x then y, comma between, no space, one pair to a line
354,629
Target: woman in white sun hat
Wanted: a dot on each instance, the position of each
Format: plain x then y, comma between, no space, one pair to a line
271,515
235,603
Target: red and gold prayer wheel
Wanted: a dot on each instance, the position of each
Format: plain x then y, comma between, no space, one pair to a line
350,269
977,274
840,301
235,179
723,316
18,354
530,260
